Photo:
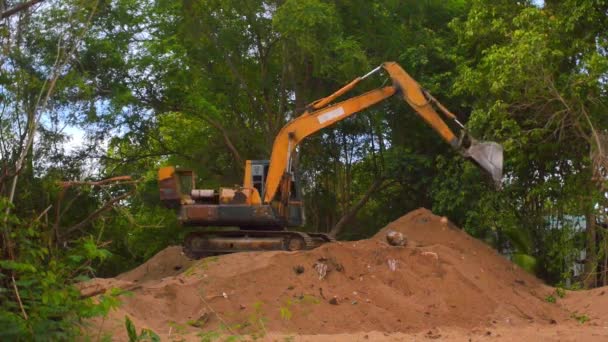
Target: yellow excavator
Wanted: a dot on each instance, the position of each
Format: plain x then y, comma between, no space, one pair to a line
269,201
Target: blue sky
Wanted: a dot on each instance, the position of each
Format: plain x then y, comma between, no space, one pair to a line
539,3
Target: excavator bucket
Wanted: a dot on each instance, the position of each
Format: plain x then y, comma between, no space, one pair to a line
488,155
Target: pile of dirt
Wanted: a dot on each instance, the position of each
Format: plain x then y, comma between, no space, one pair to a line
442,278
166,263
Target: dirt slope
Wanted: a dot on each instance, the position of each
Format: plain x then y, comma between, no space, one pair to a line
443,283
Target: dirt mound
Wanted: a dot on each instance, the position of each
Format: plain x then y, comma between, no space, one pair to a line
590,304
166,263
442,278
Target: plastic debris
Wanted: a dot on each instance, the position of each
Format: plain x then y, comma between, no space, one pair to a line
392,264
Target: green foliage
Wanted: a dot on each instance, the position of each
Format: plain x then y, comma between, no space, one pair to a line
209,336
144,334
581,318
527,75
43,279
525,261
285,311
313,28
558,293
257,321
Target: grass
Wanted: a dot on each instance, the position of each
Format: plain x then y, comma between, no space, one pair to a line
558,293
202,264
581,318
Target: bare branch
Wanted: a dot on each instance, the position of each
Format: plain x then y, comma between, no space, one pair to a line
377,184
18,8
18,297
107,206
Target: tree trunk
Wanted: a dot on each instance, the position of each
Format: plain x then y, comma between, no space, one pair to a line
590,277
605,264
352,212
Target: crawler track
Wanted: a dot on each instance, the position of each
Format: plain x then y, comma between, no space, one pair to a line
202,244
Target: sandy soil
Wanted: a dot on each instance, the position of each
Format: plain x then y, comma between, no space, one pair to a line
443,285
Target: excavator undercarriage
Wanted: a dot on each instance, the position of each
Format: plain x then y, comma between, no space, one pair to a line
206,243
260,227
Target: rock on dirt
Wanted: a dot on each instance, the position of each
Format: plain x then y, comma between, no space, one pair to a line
395,238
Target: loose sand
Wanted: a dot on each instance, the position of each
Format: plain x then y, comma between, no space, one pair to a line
443,285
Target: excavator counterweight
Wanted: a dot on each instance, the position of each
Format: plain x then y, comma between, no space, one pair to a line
269,200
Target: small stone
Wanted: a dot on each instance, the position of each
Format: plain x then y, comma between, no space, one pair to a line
333,301
432,254
396,238
298,269
444,220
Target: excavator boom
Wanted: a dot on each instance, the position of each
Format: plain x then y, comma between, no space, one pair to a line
321,115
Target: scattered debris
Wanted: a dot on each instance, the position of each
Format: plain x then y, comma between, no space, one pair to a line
201,321
325,265
321,269
433,254
392,264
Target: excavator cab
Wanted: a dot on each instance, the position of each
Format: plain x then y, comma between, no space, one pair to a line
290,207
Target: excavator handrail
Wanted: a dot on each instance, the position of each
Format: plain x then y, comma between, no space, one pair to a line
320,115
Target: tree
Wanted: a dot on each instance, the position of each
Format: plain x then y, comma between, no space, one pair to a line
534,78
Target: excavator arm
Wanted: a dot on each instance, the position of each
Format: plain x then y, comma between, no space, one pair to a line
320,114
